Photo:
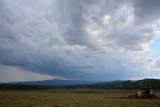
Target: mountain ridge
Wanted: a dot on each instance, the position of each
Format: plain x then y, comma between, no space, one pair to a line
54,82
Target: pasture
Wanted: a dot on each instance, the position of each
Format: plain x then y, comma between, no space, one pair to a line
74,98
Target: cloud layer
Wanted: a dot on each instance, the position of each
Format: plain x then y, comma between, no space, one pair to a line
84,39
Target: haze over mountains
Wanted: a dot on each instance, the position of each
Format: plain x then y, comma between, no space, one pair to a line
55,82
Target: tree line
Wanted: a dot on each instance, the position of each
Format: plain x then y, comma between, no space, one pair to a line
127,85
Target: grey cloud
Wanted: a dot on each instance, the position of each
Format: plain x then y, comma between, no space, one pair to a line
75,17
69,18
73,39
147,11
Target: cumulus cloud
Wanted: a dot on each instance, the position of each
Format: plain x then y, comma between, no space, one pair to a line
78,39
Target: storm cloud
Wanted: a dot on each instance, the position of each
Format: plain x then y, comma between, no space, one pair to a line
78,39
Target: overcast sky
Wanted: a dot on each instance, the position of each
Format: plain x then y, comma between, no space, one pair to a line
99,40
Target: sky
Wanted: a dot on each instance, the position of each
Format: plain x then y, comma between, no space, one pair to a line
95,40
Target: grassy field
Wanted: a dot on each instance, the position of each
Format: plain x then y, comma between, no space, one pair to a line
74,98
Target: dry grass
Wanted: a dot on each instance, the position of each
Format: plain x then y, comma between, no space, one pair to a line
73,98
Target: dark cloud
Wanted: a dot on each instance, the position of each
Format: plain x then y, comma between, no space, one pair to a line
77,39
147,11
69,18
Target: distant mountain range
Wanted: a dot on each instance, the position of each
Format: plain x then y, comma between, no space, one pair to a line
73,84
152,83
54,82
